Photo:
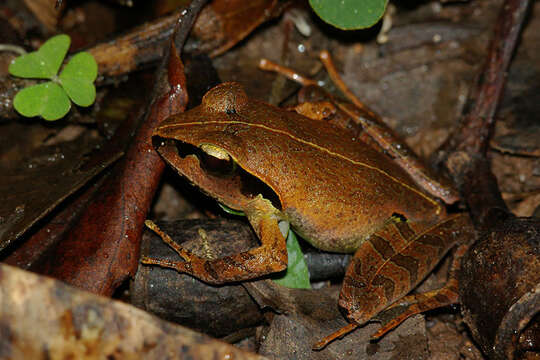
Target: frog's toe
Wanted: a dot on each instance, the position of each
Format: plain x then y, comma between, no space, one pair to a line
186,255
180,266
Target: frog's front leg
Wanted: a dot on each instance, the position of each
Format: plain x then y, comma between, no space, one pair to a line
270,257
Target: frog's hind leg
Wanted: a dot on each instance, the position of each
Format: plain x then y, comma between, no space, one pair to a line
393,261
410,305
390,264
414,304
270,257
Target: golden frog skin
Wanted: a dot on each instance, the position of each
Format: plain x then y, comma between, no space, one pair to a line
336,192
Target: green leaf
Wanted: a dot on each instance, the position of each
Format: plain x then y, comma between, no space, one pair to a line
78,77
48,100
228,210
297,274
43,63
349,14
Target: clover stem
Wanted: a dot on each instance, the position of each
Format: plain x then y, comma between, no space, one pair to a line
12,48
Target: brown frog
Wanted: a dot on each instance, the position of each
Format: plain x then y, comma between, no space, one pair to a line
337,193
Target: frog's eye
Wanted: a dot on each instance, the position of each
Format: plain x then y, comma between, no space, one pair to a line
215,151
223,171
216,160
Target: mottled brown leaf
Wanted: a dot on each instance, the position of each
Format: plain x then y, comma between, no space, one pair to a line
41,318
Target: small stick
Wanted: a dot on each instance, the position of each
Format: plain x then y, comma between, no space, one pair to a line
463,153
268,65
477,120
326,59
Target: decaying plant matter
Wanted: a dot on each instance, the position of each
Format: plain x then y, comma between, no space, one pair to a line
500,278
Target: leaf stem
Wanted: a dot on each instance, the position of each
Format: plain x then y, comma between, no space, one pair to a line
12,48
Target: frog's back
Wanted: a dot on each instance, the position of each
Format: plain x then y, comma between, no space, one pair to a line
334,189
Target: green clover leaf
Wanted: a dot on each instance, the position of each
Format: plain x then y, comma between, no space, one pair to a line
43,63
48,100
78,77
349,14
51,100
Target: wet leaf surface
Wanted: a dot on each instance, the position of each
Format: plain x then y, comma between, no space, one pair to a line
114,112
34,184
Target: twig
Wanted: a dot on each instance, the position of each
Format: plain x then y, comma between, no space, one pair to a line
464,154
478,117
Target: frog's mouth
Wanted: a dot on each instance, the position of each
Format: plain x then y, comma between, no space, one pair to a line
216,173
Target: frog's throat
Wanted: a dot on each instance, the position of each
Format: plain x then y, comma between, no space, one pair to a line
262,208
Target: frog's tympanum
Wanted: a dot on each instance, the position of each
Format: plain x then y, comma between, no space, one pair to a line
337,193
